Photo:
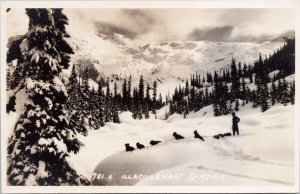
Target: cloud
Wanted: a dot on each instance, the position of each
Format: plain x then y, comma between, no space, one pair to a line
143,18
131,23
109,29
211,34
148,25
226,34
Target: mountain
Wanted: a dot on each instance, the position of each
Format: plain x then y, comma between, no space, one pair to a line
289,34
170,63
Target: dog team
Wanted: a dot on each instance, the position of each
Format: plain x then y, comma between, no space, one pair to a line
154,142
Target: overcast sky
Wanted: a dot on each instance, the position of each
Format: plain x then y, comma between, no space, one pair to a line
176,24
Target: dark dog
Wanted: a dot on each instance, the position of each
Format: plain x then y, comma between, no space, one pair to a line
227,134
197,136
129,148
216,136
177,137
221,135
153,142
139,146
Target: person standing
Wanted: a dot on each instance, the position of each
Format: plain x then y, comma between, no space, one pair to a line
235,121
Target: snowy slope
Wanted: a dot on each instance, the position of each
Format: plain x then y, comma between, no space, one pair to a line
262,155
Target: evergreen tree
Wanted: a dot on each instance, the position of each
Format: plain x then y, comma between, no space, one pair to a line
108,103
129,87
125,96
141,89
115,115
35,152
135,103
220,99
251,78
240,71
75,104
216,109
243,91
273,93
245,71
100,104
9,76
292,92
139,112
73,80
235,93
154,100
160,101
10,106
216,77
154,91
85,86
283,92
237,104
262,96
115,90
147,102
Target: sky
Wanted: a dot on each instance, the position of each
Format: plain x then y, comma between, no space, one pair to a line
146,25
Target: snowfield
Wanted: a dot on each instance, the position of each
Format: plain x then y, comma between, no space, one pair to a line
262,155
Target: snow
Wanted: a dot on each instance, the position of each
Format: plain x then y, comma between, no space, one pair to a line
30,180
43,141
42,173
60,145
263,154
12,117
273,73
93,84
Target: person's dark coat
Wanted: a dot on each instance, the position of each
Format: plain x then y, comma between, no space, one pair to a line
235,121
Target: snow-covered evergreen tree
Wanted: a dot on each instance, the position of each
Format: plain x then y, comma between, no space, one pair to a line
100,104
76,115
42,138
263,96
141,89
273,93
283,92
154,103
125,96
235,92
9,76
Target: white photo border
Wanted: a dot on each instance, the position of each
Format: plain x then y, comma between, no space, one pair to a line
260,4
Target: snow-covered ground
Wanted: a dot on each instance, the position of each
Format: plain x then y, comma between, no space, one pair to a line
262,155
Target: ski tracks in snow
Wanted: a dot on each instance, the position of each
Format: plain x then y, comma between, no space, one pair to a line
233,153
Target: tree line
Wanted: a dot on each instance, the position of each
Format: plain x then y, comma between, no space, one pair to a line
263,84
96,107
